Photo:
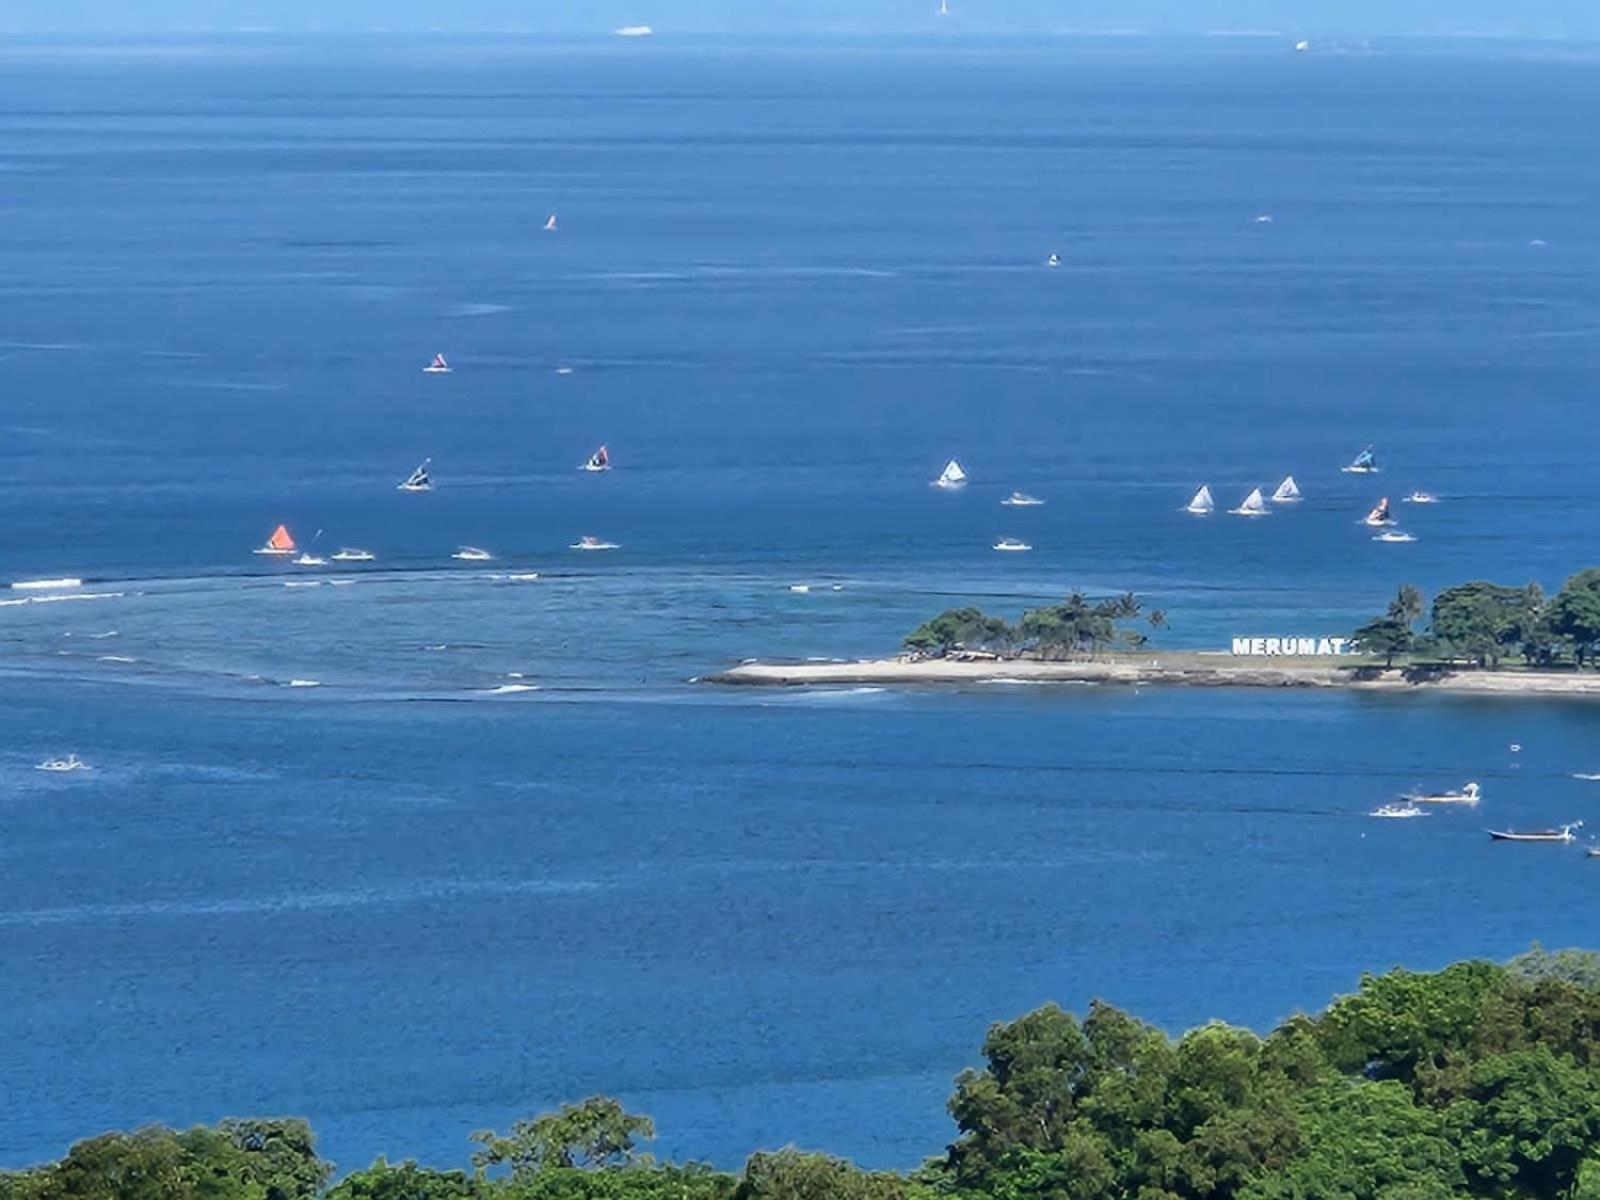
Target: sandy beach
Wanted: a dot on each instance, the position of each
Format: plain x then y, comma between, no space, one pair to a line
1179,669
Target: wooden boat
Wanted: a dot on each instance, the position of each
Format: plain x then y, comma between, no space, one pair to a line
1564,834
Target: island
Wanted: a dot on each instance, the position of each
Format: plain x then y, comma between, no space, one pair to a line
1481,638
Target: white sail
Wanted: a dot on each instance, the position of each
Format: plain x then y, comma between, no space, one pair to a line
952,476
1288,491
1202,502
1253,505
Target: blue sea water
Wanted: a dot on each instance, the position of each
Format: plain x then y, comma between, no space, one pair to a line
788,283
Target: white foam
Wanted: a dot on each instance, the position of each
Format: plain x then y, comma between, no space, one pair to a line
117,658
507,689
299,583
304,683
44,585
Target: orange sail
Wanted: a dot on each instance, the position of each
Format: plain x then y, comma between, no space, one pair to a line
280,539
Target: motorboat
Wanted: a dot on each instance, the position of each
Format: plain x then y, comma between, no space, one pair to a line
1012,546
62,766
350,554
1380,514
280,543
308,559
1564,833
1421,498
951,477
437,367
472,554
1202,503
600,460
1467,794
1394,535
1398,811
593,543
1253,505
419,480
1288,492
1021,500
1362,464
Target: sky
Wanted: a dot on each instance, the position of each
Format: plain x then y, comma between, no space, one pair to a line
1360,18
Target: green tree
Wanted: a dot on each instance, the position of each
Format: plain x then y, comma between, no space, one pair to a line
792,1174
959,628
1481,621
1575,615
408,1181
596,1132
1386,636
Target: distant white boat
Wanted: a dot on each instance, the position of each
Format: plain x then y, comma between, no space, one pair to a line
1467,794
1564,833
1253,505
1422,498
308,559
1264,219
550,224
1288,492
944,8
1394,535
280,543
350,554
1362,464
419,480
635,31
600,460
1301,47
472,554
951,477
1053,261
1012,546
63,765
593,543
1202,502
46,585
800,587
1380,514
437,367
1021,500
1398,811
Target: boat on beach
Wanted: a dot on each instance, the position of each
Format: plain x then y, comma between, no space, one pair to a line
1362,464
472,554
1398,811
62,766
1253,505
1466,794
1380,514
1288,492
593,543
951,477
351,554
1564,833
600,460
419,480
280,543
437,367
1012,546
1202,502
1021,500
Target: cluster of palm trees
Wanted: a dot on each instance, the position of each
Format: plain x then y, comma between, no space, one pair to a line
1076,627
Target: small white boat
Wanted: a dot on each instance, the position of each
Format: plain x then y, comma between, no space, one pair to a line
1288,492
350,554
1053,261
1380,514
1468,794
550,224
1362,464
1422,498
472,554
61,766
308,559
593,543
1264,219
1253,505
600,460
1012,546
1021,500
46,585
437,367
1202,503
1301,47
802,588
1398,811
1562,834
951,477
280,543
419,480
1394,535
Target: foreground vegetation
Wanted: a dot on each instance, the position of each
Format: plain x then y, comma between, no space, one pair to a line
1477,1081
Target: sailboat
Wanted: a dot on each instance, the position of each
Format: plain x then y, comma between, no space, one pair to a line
1380,514
550,225
419,480
308,559
1253,505
1563,834
437,367
1467,794
1053,261
1362,464
1202,502
600,460
281,542
944,8
951,477
1288,492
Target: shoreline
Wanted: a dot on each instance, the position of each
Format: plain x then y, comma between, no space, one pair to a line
1181,669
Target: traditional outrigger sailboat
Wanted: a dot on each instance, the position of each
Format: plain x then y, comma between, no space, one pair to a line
1202,502
1468,794
1288,492
951,477
437,367
1253,505
550,225
419,480
1363,464
280,543
1562,834
600,460
1380,514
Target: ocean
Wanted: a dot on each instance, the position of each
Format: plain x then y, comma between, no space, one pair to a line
505,853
